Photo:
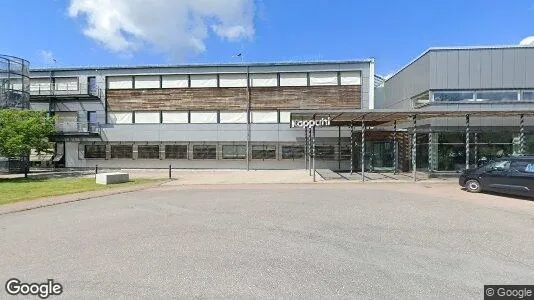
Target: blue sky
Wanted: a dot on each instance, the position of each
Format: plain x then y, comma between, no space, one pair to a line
132,32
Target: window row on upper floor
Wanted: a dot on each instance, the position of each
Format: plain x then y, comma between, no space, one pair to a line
483,95
234,80
197,117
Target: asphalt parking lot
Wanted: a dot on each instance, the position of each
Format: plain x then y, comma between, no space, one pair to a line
274,241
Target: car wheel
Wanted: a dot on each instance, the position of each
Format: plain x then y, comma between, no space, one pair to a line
473,186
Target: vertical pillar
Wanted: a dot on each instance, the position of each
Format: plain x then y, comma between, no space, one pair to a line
313,153
522,141
339,147
476,149
306,148
351,149
395,149
310,152
414,148
467,150
430,153
363,150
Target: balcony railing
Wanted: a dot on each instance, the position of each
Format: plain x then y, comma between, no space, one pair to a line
59,89
77,128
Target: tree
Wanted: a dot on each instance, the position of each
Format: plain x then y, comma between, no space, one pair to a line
23,130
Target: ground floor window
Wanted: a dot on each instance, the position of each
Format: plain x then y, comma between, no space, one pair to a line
204,152
263,152
95,151
148,151
175,151
234,152
325,152
292,152
121,151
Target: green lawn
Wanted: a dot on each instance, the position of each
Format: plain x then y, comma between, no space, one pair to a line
19,189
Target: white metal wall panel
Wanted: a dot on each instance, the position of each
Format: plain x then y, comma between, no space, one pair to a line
146,117
323,78
233,117
120,82
120,117
179,117
259,80
293,79
66,83
351,78
207,80
264,117
203,117
174,81
146,82
285,117
233,80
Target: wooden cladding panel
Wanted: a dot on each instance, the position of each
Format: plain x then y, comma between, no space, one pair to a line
268,98
177,99
310,97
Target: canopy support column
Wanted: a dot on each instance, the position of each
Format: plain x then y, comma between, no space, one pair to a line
467,150
351,149
313,153
363,150
306,148
395,149
522,140
414,148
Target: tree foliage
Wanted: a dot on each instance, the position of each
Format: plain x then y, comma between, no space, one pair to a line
23,130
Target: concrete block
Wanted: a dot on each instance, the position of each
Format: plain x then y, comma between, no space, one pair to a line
110,178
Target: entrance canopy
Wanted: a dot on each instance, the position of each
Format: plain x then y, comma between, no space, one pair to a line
375,117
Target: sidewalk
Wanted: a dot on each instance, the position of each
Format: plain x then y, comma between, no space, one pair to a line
55,200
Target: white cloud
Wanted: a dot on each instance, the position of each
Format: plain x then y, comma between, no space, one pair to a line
528,41
177,27
47,57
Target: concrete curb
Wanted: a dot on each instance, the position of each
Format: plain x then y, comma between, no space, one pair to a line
57,200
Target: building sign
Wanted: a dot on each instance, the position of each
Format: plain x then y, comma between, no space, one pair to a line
311,123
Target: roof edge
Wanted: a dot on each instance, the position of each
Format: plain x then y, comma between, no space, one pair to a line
199,65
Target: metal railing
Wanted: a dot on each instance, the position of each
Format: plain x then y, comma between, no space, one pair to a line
77,127
48,89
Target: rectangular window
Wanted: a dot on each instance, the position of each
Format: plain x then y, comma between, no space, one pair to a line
325,152
259,80
147,82
285,117
264,117
120,82
233,117
204,152
95,151
148,152
121,151
263,152
233,80
175,117
146,117
174,81
292,152
175,151
351,78
234,152
120,118
293,79
204,117
497,96
528,96
453,96
323,78
204,80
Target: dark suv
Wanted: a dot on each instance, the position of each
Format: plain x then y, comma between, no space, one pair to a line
510,175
